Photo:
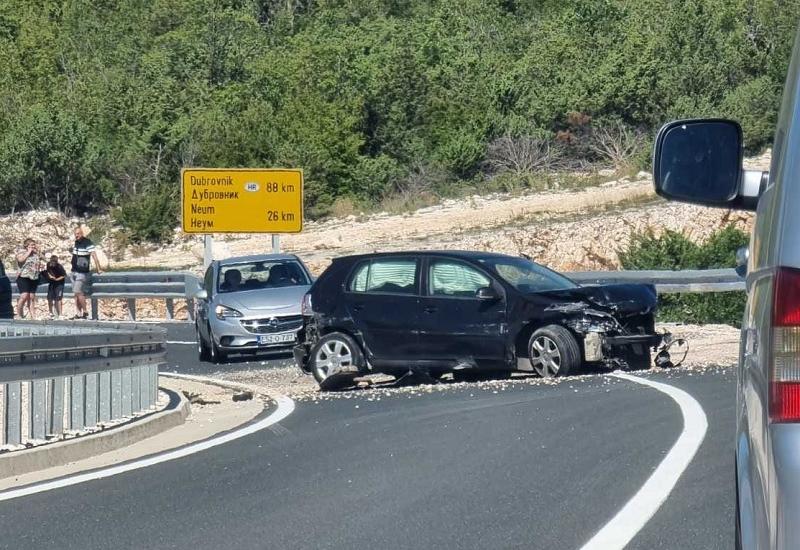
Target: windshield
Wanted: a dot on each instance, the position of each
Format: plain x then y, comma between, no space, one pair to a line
526,276
260,275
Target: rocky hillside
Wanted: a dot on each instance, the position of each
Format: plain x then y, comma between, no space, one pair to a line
568,230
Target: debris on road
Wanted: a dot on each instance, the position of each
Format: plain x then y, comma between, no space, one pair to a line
242,396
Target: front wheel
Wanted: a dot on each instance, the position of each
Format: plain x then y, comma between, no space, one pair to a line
216,355
335,361
203,352
553,351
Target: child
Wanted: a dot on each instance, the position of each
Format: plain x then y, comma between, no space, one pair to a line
56,276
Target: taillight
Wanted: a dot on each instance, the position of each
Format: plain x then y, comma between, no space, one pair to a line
306,308
785,376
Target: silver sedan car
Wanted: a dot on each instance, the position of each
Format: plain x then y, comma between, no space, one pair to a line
250,304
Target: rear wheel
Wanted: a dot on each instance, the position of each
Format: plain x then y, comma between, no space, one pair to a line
335,361
553,351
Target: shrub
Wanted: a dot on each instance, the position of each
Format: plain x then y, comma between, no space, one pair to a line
150,216
673,250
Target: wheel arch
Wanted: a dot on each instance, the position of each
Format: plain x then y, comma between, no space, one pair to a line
526,331
324,331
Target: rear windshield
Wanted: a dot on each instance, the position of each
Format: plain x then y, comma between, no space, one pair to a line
527,276
260,275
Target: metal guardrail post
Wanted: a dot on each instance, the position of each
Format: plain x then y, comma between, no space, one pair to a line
91,399
136,390
37,409
126,392
104,397
153,385
116,394
170,308
55,420
12,413
144,386
95,314
76,402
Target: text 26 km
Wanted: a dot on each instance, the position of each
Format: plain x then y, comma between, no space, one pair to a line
274,187
278,216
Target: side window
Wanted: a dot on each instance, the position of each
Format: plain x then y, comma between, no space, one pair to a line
386,276
359,282
448,278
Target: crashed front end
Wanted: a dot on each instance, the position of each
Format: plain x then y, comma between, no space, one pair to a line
616,323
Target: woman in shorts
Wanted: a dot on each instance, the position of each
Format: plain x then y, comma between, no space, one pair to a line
30,268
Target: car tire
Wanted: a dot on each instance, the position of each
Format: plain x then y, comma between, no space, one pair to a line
203,352
738,522
215,354
554,351
331,353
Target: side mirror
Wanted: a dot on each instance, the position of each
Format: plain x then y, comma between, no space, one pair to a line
700,161
742,257
487,293
201,295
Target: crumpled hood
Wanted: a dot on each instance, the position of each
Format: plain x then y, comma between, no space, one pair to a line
620,299
266,302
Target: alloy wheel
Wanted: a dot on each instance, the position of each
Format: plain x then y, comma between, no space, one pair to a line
545,357
333,355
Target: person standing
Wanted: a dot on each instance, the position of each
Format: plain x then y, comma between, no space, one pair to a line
83,252
30,267
56,278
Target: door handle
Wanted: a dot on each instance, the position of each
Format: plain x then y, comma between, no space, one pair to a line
431,309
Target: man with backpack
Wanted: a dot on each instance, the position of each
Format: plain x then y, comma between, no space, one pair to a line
83,252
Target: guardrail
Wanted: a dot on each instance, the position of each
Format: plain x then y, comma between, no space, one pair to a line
132,285
172,285
668,282
74,376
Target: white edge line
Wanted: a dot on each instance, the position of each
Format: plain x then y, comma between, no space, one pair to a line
621,529
285,406
181,342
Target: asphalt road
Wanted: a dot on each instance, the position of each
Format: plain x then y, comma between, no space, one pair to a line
530,466
182,355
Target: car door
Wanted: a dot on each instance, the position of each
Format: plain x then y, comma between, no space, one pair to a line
382,298
455,324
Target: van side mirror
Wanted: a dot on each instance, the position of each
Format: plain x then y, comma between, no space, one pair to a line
700,161
201,295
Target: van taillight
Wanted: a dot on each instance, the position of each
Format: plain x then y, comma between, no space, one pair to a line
785,376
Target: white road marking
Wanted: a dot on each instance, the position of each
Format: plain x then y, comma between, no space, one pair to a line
618,532
182,343
284,409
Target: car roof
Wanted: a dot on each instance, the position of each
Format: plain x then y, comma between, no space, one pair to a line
257,258
459,254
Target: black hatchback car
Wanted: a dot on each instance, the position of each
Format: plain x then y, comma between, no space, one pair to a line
466,313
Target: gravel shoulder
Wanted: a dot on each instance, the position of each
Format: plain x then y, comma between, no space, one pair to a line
709,346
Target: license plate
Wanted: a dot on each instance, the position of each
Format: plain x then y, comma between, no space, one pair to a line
267,339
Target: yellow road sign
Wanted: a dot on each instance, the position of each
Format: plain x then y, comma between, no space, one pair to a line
241,200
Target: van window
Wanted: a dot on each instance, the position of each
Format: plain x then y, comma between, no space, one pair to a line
392,276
